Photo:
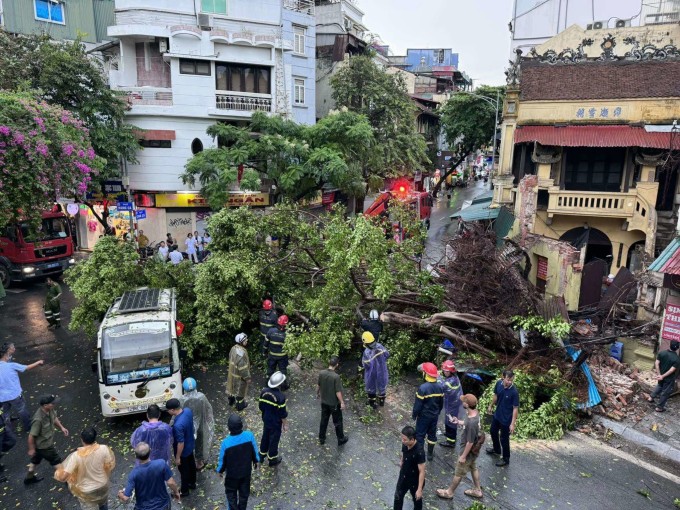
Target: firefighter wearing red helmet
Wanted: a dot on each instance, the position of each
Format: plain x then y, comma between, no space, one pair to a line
427,406
268,318
274,349
453,390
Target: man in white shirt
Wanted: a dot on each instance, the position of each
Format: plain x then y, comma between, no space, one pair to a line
163,251
176,257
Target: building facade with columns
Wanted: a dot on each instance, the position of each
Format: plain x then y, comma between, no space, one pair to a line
185,65
586,137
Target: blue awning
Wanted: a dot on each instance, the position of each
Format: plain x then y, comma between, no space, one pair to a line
477,212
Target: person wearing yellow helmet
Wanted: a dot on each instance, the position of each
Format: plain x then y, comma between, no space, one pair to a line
374,364
427,406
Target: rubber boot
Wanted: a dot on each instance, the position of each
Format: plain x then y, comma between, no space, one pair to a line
381,400
430,451
372,401
241,405
232,400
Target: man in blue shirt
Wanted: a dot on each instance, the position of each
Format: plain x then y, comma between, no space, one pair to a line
238,457
506,400
148,481
10,387
183,432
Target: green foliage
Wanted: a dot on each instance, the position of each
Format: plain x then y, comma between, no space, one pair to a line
405,353
676,502
321,271
45,152
365,88
548,420
478,505
111,270
62,74
299,159
556,328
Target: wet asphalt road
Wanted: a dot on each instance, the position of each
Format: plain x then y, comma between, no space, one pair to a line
575,473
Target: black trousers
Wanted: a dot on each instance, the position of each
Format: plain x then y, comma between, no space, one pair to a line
238,492
497,428
326,412
187,471
663,389
400,493
269,445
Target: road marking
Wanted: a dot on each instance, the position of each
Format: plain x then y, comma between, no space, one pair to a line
627,457
15,291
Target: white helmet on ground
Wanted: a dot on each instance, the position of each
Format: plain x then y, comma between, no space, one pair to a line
241,338
374,315
276,380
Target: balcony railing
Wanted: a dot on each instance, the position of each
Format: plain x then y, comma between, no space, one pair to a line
147,96
592,203
232,101
303,6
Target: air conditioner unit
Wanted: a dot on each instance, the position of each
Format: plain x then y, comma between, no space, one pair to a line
598,25
205,21
163,45
621,23
348,24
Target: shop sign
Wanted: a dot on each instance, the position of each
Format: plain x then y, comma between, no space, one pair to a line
328,197
592,112
140,214
671,322
542,269
195,200
72,209
249,199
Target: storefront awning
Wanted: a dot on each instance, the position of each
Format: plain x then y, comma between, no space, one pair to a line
669,260
592,136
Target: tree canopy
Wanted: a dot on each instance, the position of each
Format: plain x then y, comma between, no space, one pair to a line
364,87
468,122
299,159
63,75
45,152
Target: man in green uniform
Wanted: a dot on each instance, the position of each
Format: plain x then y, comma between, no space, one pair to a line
41,438
667,366
52,304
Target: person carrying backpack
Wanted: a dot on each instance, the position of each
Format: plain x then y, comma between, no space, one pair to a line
471,441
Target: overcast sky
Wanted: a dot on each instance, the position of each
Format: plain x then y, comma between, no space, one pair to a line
475,29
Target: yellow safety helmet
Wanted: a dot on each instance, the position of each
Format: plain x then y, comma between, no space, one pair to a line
367,337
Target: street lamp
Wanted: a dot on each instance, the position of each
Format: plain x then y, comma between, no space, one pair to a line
495,130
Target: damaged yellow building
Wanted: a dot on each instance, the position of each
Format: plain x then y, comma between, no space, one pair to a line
588,126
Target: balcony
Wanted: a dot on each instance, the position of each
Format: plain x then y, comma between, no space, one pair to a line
243,102
303,6
147,96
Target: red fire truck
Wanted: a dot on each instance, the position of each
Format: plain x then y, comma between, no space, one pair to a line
402,190
27,255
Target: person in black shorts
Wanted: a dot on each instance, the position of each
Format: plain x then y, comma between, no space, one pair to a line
41,437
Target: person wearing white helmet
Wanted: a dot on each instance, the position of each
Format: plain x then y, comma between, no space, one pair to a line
274,416
204,421
239,373
373,324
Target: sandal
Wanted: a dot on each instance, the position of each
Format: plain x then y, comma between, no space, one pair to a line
659,410
650,400
474,493
441,493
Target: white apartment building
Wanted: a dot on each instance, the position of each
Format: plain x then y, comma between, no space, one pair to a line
187,64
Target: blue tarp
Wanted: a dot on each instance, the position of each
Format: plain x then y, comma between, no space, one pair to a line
593,395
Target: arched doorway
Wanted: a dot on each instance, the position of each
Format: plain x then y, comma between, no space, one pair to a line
598,245
636,254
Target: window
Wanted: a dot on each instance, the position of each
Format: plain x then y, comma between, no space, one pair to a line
198,67
594,169
196,146
299,34
155,144
439,56
214,6
242,78
49,10
299,91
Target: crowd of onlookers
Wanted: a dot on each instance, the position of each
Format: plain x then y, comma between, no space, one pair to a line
195,248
